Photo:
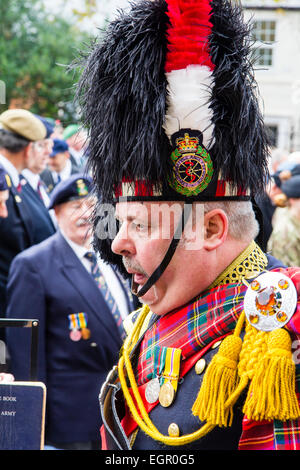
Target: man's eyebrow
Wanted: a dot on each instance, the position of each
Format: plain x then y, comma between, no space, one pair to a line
129,218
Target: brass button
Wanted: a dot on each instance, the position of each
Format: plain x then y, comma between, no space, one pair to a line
216,345
173,430
200,366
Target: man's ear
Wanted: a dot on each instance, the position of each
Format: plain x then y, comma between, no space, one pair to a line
27,151
215,229
57,210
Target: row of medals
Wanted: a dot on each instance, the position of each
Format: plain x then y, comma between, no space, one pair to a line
165,393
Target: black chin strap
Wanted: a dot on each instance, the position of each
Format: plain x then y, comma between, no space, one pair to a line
171,250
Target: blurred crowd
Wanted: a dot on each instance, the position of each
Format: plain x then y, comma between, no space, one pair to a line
31,168
49,272
281,207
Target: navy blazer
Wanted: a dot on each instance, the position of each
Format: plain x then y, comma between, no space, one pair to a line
43,226
48,282
15,236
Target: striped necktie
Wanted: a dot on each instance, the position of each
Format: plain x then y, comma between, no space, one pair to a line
39,185
108,297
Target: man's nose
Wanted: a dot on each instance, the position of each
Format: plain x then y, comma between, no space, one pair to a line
122,243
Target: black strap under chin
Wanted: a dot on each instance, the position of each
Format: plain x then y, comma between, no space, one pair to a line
171,250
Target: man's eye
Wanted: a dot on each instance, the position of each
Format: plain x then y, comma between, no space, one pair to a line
139,227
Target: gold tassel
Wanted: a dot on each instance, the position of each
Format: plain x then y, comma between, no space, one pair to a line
272,394
219,382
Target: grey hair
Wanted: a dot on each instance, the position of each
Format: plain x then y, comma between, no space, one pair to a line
242,224
12,142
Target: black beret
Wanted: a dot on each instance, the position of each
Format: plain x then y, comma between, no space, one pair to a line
76,187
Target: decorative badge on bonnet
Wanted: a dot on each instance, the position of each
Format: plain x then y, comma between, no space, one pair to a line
192,165
270,301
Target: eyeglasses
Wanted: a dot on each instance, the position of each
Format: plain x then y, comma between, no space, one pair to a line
42,145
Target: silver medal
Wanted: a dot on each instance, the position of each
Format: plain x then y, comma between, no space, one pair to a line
152,390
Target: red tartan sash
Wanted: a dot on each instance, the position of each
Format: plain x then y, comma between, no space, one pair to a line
191,328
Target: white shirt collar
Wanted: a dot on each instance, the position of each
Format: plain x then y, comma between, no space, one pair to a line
10,169
80,250
32,178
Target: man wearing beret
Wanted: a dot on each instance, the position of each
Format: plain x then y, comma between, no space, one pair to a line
178,146
80,303
60,165
19,129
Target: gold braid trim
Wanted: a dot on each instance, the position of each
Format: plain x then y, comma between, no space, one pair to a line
248,264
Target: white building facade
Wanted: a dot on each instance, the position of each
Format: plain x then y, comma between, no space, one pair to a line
276,31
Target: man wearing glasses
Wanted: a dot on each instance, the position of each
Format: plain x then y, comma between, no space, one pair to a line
34,191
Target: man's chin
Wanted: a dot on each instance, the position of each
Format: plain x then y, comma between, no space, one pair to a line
150,297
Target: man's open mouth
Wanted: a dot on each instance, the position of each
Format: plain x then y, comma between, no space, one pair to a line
137,282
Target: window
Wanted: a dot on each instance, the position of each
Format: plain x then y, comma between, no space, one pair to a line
264,35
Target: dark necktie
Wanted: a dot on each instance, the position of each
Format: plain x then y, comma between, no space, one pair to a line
19,187
101,283
39,190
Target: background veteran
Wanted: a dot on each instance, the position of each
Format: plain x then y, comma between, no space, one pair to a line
19,128
174,118
284,242
68,291
60,166
34,191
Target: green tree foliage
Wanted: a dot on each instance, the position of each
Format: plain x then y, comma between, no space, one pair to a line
35,49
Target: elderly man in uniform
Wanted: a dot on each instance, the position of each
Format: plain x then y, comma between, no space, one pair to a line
80,305
177,143
19,128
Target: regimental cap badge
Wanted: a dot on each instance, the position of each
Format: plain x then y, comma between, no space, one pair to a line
82,188
270,301
192,166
